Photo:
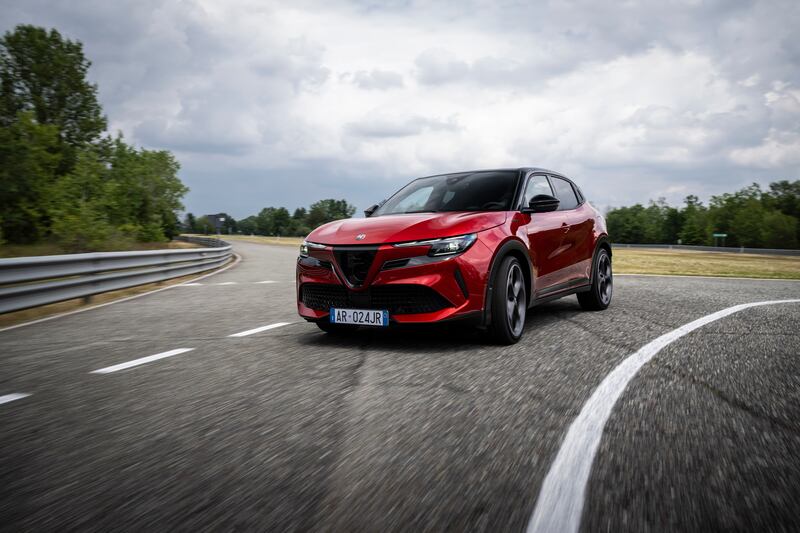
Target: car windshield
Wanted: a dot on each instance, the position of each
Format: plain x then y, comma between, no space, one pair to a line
466,191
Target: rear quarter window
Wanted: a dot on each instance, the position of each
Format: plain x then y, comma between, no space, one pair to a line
565,194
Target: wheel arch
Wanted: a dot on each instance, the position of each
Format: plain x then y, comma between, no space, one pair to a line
604,243
515,248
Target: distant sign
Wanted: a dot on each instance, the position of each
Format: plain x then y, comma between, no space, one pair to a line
720,235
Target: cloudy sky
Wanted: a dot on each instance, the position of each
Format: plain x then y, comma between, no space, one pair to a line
285,103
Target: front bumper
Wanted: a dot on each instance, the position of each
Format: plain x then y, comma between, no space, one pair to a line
442,290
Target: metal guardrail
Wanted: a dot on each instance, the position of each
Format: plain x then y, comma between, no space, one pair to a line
32,281
721,249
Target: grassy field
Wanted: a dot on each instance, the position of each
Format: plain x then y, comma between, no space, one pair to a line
30,250
286,241
688,263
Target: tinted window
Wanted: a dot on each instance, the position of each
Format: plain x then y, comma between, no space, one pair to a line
565,194
536,185
467,191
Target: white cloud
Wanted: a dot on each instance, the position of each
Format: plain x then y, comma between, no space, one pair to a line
376,79
633,99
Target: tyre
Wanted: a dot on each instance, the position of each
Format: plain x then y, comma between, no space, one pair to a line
335,329
599,295
509,302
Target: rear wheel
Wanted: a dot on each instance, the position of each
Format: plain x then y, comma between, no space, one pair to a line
599,295
509,302
334,329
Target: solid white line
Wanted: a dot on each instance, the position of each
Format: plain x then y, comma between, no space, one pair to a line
143,360
11,397
237,257
259,330
560,502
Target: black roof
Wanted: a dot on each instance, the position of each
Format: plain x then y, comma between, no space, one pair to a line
517,169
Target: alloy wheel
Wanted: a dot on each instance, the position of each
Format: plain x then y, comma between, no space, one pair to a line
515,299
605,281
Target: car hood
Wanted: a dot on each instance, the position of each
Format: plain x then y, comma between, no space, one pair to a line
402,228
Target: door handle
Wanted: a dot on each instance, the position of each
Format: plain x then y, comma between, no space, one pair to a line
565,227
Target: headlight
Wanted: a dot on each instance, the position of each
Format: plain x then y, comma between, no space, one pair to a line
312,245
447,246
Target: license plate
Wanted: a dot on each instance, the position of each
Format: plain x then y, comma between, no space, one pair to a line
360,317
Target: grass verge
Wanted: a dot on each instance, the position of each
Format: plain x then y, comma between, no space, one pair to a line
286,241
690,263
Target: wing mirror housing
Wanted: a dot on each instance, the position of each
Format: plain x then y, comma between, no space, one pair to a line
541,203
371,209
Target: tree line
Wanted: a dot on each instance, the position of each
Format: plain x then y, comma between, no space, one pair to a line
62,178
275,220
750,217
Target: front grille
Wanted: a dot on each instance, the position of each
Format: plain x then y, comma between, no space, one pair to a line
354,264
397,299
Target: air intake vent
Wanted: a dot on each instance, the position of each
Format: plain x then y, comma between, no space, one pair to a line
354,263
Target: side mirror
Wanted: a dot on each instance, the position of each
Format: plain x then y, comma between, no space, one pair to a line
368,211
541,203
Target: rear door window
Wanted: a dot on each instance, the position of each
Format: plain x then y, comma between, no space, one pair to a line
565,194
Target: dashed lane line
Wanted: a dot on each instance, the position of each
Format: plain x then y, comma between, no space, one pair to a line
259,330
143,360
561,497
11,397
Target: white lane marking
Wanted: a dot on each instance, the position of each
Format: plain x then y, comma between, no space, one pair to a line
191,284
259,330
560,502
11,397
237,260
226,283
143,360
263,282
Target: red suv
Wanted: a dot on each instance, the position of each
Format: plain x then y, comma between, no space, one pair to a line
485,245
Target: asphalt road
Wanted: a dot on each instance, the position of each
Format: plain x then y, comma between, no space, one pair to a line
417,429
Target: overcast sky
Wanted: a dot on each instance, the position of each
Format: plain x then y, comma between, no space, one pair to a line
286,103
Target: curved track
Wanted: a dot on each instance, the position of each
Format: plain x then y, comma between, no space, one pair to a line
287,428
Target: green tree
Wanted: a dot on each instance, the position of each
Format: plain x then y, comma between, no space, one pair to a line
327,211
624,224
78,205
785,197
190,223
248,226
281,221
44,73
779,230
204,226
694,230
28,161
146,190
748,224
265,223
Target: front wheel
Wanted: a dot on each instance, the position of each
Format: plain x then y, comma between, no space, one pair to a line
509,302
598,296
